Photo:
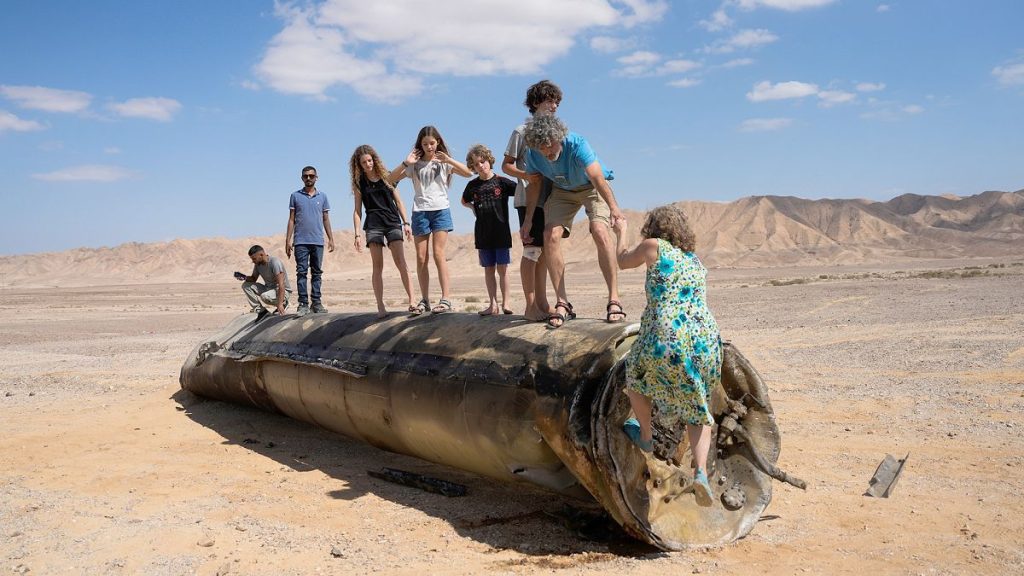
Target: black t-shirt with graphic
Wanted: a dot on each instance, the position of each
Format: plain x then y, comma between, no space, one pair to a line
379,203
490,203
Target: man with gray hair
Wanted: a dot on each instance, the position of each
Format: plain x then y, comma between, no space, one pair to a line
580,180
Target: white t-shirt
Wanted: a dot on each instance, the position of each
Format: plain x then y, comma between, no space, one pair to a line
430,181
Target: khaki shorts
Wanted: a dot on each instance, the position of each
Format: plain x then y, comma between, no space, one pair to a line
562,206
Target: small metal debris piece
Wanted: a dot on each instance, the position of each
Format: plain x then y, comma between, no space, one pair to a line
435,485
888,472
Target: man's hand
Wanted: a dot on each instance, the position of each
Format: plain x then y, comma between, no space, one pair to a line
280,309
357,244
617,215
407,228
620,226
330,244
287,249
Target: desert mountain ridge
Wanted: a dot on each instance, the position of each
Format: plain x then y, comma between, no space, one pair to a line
756,231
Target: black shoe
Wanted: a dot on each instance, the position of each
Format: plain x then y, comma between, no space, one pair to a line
318,308
262,314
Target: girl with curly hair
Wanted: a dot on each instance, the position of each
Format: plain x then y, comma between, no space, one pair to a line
385,220
430,167
676,360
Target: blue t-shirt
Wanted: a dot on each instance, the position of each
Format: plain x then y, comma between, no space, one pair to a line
569,172
309,216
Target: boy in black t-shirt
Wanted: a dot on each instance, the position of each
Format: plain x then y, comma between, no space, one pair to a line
487,195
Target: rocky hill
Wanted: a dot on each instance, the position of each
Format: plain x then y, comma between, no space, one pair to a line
759,231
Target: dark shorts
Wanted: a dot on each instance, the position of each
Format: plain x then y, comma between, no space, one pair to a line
383,237
494,257
536,227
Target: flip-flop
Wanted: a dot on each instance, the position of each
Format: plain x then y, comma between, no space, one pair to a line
632,429
507,311
443,305
701,489
486,312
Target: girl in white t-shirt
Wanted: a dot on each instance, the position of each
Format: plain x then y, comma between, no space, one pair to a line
430,167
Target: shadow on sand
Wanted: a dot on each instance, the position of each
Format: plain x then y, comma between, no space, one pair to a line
501,515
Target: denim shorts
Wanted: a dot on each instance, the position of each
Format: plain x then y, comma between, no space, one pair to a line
424,223
383,237
494,256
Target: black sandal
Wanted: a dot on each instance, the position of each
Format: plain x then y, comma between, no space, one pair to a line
562,318
621,312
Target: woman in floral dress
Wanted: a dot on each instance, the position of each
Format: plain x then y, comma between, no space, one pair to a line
676,360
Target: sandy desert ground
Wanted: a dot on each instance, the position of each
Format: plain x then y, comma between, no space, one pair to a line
106,467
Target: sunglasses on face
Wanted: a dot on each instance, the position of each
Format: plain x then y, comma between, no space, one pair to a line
308,176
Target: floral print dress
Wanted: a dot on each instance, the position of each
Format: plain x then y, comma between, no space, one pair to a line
677,357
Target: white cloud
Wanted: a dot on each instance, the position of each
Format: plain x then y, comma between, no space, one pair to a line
112,150
87,173
764,91
787,5
676,67
831,98
11,122
645,63
250,85
737,62
384,49
641,11
742,40
883,8
610,44
47,99
870,86
718,21
684,83
1011,73
161,109
889,111
639,58
764,124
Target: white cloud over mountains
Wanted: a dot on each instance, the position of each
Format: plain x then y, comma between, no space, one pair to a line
384,50
787,5
644,63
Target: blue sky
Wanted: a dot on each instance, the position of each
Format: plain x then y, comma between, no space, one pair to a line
148,121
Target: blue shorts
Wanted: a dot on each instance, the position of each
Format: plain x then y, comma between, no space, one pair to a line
494,256
424,223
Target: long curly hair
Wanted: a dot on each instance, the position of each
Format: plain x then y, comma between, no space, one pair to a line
670,223
356,171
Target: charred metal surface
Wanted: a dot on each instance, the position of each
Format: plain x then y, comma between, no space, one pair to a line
507,399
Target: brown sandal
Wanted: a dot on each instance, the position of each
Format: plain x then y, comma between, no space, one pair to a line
620,312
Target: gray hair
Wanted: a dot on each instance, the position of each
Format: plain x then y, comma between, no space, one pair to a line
544,130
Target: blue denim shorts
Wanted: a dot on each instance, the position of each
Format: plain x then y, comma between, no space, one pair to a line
494,256
424,223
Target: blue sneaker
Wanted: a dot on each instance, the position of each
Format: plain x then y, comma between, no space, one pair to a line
632,429
701,489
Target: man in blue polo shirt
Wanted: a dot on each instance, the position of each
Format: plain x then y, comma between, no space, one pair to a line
579,180
308,221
